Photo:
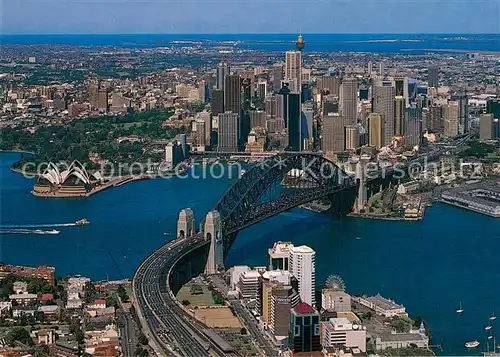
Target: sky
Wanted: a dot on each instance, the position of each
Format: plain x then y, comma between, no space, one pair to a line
248,16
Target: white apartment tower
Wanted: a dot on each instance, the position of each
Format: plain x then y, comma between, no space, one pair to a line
303,267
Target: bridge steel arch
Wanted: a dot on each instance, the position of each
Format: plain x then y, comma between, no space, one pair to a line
241,205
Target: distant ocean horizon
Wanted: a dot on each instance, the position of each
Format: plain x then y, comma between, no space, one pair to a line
388,43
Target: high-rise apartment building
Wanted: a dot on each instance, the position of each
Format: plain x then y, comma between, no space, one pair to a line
375,130
303,267
350,100
351,137
229,132
383,103
293,68
451,113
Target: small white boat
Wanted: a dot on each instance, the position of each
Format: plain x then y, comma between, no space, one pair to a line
493,317
487,328
490,337
460,310
472,344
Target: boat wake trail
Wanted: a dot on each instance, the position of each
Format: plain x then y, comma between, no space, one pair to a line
27,226
27,231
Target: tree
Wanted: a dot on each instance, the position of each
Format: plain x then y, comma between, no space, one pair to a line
367,315
243,331
218,298
90,292
111,301
186,302
19,334
80,337
143,340
40,317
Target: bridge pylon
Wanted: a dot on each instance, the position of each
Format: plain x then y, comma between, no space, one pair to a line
213,232
185,223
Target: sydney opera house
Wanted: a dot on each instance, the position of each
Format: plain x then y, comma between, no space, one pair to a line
75,181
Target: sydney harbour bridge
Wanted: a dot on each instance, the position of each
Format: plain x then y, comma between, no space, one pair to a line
262,192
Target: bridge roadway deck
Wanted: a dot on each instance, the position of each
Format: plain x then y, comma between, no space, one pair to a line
168,323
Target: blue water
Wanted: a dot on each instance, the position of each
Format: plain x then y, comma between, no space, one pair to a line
429,266
278,42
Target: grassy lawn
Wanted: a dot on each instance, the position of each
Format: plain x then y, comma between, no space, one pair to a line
199,299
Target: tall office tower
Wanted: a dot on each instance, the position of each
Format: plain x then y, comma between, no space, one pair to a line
271,108
486,127
293,67
350,100
351,137
399,85
383,103
232,94
102,100
303,267
370,68
277,74
307,121
463,112
199,138
330,83
93,94
270,280
434,122
292,116
413,127
222,71
283,298
381,69
217,101
424,119
304,334
376,130
493,107
257,118
207,120
261,90
333,139
229,132
330,107
399,115
451,114
410,90
433,77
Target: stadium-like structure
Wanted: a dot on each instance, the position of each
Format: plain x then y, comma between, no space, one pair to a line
74,181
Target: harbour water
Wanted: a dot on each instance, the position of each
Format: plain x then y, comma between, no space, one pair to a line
429,266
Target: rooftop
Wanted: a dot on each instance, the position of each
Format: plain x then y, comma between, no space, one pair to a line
304,308
302,249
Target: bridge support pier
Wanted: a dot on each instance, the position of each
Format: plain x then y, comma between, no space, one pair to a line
213,233
185,223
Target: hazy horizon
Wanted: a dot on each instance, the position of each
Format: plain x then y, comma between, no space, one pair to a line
130,17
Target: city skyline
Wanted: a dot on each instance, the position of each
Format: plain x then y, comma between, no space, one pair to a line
231,17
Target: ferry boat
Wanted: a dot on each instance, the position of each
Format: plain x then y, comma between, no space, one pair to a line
472,344
82,222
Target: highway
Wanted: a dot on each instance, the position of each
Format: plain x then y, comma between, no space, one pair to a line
167,323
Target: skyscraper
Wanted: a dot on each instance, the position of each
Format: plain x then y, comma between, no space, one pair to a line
399,110
304,333
413,127
93,94
303,267
261,90
257,118
330,83
350,100
292,116
463,111
383,103
277,73
486,126
293,68
333,139
375,130
222,71
351,137
451,113
434,122
232,94
217,101
229,132
433,77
